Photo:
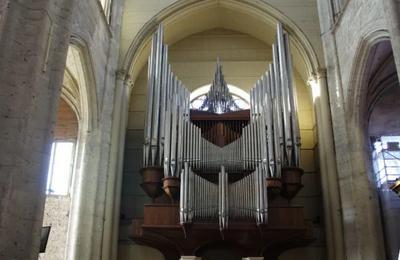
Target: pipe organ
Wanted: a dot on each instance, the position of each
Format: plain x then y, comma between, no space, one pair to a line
219,163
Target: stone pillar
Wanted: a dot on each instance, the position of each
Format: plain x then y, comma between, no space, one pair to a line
328,171
392,11
33,46
113,197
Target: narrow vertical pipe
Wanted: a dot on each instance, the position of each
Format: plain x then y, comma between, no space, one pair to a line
277,112
174,125
293,103
156,98
164,86
181,199
149,110
285,96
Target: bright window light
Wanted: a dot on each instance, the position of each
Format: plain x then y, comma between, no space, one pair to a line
315,88
241,97
60,168
103,3
386,159
106,4
236,91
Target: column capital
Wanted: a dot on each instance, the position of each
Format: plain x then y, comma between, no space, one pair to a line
124,76
321,73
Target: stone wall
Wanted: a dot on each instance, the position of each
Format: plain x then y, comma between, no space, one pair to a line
98,42
78,220
346,40
56,215
57,208
66,123
34,40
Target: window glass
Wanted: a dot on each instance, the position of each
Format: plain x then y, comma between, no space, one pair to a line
239,102
60,168
106,4
386,159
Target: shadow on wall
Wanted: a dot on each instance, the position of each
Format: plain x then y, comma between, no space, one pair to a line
130,251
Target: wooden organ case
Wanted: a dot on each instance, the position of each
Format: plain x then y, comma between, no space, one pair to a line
228,172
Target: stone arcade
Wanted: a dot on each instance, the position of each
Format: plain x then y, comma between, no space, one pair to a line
130,158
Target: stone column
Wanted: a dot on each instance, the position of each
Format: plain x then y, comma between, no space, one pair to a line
33,46
113,197
392,11
328,171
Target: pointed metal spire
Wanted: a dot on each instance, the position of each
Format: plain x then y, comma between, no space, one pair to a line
218,99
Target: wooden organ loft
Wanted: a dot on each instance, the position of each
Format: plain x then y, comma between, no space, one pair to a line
228,172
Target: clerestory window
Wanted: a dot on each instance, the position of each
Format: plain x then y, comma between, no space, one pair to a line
386,159
60,167
241,99
106,4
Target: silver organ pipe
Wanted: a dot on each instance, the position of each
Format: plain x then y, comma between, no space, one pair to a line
293,104
226,179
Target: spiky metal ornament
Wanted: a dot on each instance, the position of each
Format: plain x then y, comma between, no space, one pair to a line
218,99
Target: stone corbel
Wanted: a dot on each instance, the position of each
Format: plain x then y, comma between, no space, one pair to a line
124,77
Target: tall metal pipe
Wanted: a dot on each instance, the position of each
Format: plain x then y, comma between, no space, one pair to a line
293,103
163,101
156,98
285,95
149,110
175,112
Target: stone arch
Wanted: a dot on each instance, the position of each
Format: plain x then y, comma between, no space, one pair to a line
79,93
83,94
85,80
362,96
355,94
70,92
259,12
357,102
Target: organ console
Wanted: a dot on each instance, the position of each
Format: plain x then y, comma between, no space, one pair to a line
223,167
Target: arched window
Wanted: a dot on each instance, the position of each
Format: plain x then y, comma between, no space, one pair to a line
62,151
380,112
386,159
240,97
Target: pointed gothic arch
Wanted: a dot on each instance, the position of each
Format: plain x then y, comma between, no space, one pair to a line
177,18
371,80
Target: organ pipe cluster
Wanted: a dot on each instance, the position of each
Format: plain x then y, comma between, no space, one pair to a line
168,129
268,143
201,208
274,122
